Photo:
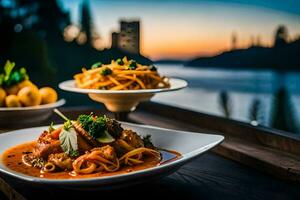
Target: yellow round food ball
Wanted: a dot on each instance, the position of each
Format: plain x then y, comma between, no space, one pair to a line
26,83
2,96
29,96
12,101
12,89
48,95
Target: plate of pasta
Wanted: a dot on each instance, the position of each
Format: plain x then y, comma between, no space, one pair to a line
97,152
121,84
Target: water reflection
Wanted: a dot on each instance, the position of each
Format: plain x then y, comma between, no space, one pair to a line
250,96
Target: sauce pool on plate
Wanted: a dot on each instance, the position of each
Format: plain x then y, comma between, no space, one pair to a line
12,158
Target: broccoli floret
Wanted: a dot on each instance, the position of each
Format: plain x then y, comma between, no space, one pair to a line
132,65
106,71
120,61
95,126
85,121
152,68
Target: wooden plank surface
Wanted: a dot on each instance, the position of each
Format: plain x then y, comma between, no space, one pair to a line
209,177
240,143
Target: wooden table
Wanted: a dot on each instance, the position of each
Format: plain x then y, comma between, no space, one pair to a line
210,176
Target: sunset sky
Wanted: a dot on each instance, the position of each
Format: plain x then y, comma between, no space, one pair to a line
173,29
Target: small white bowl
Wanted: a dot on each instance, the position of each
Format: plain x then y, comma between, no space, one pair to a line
19,116
122,100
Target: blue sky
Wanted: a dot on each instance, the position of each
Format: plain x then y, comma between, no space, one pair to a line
182,29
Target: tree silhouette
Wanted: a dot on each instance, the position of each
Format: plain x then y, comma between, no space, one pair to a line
255,112
281,36
283,115
225,103
86,21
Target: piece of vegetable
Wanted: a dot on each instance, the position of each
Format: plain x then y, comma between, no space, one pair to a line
12,101
96,65
106,71
132,64
29,96
55,133
48,95
2,96
74,153
96,127
68,140
152,68
68,125
105,138
12,77
85,121
51,127
120,61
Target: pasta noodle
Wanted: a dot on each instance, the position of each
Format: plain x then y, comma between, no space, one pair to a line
121,75
90,145
49,167
134,157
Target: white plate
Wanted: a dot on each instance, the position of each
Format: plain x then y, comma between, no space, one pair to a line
189,144
175,84
122,100
20,116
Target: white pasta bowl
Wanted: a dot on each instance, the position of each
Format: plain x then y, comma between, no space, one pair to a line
20,116
122,100
189,144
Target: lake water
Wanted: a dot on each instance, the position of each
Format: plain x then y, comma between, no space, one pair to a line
242,86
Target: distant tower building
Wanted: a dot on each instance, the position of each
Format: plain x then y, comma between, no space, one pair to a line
114,40
86,21
128,39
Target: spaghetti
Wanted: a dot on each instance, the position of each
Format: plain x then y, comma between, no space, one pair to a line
122,74
91,144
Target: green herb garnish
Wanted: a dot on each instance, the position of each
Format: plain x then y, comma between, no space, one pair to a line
68,125
74,153
51,127
96,65
68,136
68,140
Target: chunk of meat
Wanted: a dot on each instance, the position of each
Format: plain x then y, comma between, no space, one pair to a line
128,141
114,128
106,152
132,138
61,160
46,146
83,145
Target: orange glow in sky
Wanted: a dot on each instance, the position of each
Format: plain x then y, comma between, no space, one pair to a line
185,29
